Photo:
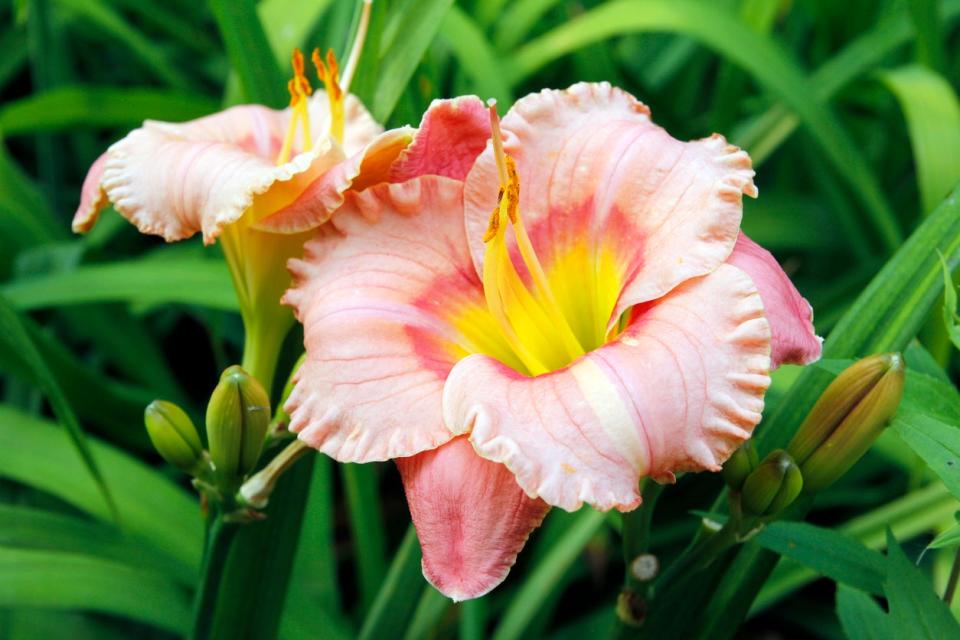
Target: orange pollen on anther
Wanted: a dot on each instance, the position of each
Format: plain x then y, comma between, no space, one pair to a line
298,85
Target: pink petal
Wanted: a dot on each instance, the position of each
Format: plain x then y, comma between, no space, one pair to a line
471,517
680,389
594,169
375,293
360,129
451,136
791,317
92,197
176,179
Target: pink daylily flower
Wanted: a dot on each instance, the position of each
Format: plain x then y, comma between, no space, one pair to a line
607,322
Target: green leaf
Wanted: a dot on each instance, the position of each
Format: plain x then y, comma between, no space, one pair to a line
31,528
763,134
287,24
398,596
84,106
15,340
54,580
860,615
411,28
113,25
518,18
915,610
366,523
249,52
759,56
476,56
432,607
951,319
949,538
833,554
539,583
933,120
936,442
926,20
204,283
34,452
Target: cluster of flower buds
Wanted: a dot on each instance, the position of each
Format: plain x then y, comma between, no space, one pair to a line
237,420
843,424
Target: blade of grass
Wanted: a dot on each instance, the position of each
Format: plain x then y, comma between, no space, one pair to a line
106,107
54,580
762,135
288,23
539,584
35,453
114,26
518,19
399,593
476,56
760,57
366,523
204,283
16,340
32,528
932,112
250,54
926,21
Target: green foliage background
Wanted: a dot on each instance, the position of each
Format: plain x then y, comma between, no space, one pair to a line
849,110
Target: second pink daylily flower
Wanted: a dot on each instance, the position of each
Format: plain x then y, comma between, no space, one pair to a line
539,319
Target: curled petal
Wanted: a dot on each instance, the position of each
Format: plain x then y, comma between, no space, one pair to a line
678,390
596,172
471,517
176,179
92,197
371,165
451,135
791,317
384,293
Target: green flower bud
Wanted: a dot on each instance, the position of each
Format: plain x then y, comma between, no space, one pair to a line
739,465
773,486
848,418
237,419
173,435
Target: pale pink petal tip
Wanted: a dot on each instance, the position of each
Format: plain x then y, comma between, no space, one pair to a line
471,517
791,317
92,197
679,390
451,135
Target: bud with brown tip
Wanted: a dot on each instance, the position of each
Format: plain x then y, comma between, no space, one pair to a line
847,419
773,485
237,419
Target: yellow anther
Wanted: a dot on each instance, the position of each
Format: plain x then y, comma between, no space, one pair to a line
300,89
298,86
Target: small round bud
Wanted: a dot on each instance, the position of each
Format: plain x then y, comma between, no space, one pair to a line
173,435
773,485
237,419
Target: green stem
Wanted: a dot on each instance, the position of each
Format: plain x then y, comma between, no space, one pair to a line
219,536
952,580
261,349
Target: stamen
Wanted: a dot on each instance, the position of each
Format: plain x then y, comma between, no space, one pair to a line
300,89
507,297
354,58
329,75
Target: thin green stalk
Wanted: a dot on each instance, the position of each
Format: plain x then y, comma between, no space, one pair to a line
363,504
473,619
219,537
399,593
952,580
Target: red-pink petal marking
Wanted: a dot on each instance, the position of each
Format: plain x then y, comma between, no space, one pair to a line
679,390
594,169
452,134
791,317
373,293
471,516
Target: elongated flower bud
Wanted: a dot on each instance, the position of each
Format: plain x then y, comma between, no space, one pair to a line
736,469
173,435
237,419
773,486
848,418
